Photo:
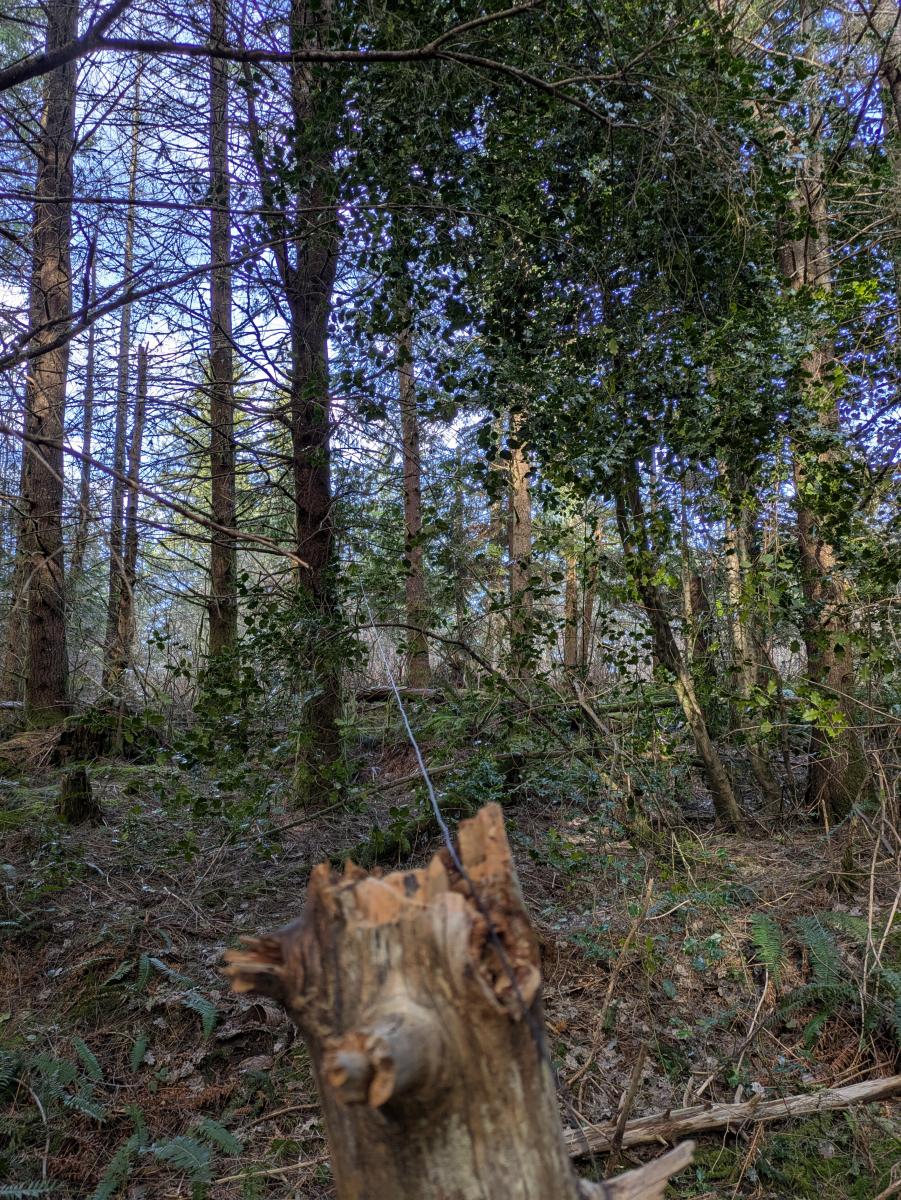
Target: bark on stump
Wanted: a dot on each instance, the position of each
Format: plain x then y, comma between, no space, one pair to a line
418,995
76,802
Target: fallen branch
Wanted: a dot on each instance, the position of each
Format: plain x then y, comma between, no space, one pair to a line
598,1139
647,1182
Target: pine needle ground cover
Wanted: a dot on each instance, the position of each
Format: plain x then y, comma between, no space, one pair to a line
736,966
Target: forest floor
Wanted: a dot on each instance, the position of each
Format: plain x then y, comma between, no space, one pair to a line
737,961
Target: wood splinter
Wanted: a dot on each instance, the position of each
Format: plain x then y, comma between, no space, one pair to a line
420,1005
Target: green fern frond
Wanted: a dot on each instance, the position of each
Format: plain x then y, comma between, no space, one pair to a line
89,1060
23,1191
825,957
138,1050
83,1102
10,1067
143,972
204,1008
185,1154
211,1131
171,973
769,944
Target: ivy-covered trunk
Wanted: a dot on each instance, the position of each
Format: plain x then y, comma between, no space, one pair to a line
223,600
642,567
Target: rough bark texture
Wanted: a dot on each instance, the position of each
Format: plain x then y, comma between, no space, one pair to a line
418,997
519,547
838,768
223,600
87,432
642,566
744,655
122,651
306,242
12,673
76,803
571,616
112,650
50,312
418,672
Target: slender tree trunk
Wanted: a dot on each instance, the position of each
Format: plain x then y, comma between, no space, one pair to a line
838,768
458,660
641,565
112,650
744,652
50,312
223,601
122,655
419,672
571,616
87,430
519,547
589,603
12,676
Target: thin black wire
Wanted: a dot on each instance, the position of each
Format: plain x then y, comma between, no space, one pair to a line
495,938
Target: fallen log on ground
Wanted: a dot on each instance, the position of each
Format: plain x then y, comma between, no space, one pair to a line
666,1127
418,995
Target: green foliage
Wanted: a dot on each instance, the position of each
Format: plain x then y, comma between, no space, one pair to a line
767,937
835,986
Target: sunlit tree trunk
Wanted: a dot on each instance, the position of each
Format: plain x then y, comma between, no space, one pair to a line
838,768
641,563
122,654
519,548
418,671
744,653
223,600
50,312
112,650
571,615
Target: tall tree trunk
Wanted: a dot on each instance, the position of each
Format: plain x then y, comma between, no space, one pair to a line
50,312
838,772
82,528
642,566
223,600
122,653
519,547
306,243
571,615
744,650
589,602
419,672
418,995
12,674
111,649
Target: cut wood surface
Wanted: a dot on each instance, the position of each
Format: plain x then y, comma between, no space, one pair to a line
418,995
597,1139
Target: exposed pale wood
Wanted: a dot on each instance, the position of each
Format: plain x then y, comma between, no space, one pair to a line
418,995
598,1139
647,1182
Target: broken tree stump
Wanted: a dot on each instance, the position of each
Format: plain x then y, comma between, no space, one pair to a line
418,995
76,803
